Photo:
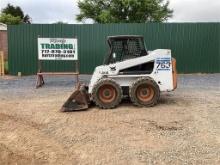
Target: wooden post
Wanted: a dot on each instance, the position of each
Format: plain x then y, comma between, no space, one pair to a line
2,67
0,63
77,65
39,66
40,79
77,71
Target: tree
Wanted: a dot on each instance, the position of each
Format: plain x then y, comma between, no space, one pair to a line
60,22
16,11
124,11
10,19
27,19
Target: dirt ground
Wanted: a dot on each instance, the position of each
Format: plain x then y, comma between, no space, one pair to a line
184,128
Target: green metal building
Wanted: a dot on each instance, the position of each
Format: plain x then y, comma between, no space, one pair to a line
196,46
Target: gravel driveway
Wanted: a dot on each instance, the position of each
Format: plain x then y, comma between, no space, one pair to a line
184,128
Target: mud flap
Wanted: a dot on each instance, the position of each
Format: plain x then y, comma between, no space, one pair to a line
78,100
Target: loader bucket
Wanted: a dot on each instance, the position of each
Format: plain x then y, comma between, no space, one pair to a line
78,100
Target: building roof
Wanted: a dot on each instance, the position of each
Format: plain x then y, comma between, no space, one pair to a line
3,27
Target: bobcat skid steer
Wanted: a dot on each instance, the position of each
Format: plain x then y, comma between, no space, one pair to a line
129,70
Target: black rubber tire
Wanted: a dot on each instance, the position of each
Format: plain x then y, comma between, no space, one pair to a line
142,81
95,93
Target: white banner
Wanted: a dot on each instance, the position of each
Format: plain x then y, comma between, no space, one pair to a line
57,49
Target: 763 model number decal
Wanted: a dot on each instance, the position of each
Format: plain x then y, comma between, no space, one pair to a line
163,64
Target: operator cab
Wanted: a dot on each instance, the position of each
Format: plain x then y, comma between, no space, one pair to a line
125,47
128,47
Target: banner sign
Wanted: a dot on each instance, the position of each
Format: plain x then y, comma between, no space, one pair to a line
57,49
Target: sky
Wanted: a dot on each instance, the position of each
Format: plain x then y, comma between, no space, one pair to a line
51,11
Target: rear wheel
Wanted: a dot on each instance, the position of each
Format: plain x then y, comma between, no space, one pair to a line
144,92
107,93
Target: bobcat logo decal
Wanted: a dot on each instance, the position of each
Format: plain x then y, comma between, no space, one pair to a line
113,68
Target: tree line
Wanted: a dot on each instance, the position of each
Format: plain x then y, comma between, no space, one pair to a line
103,11
12,15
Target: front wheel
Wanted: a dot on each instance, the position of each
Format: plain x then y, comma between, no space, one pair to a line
107,93
144,92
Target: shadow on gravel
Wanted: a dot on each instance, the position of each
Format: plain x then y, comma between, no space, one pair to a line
164,100
167,100
91,106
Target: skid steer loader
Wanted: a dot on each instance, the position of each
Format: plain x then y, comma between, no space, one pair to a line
128,70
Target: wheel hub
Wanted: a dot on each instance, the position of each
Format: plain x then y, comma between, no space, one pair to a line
107,93
145,93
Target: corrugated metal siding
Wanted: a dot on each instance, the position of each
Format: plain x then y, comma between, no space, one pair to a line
196,46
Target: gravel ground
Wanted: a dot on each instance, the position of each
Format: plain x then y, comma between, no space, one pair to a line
184,128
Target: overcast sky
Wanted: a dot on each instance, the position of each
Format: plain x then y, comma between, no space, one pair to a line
50,11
